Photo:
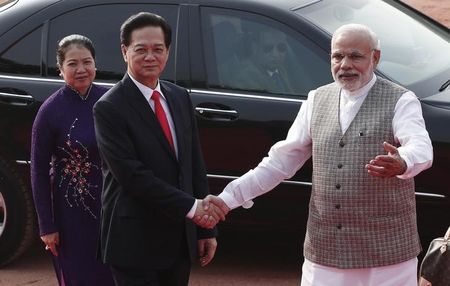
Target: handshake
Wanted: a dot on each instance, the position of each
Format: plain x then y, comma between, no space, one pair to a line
210,211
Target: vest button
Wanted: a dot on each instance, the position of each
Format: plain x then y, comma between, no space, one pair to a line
338,186
341,143
339,226
338,206
339,166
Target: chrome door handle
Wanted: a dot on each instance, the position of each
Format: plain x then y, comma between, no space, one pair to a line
16,99
204,110
217,114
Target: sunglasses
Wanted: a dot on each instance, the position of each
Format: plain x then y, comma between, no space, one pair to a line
281,48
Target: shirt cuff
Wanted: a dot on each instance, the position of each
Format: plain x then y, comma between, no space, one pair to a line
232,203
191,213
407,174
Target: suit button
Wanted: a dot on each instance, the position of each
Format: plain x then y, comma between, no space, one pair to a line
339,166
341,143
338,186
338,206
339,226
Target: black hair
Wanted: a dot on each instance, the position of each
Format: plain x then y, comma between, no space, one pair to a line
141,20
74,39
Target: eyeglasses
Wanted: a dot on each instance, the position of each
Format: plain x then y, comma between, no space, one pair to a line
281,48
354,57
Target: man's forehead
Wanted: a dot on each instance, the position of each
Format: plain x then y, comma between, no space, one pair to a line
145,43
350,42
351,36
147,33
273,36
349,50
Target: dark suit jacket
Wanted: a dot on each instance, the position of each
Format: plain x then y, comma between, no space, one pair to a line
147,191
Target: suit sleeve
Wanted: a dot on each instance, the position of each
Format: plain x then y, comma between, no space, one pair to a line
200,181
118,153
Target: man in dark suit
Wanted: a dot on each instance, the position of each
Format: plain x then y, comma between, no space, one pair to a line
153,168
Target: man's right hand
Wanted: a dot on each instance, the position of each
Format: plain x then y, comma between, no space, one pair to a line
210,211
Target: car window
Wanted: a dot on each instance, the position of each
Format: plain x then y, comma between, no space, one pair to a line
411,52
249,52
20,59
104,32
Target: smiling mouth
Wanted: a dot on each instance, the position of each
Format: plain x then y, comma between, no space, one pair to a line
348,76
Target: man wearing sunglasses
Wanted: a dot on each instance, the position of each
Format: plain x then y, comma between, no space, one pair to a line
264,70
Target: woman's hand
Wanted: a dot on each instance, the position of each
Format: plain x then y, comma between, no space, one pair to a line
51,240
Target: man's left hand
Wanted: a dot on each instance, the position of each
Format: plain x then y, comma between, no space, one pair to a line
206,250
386,166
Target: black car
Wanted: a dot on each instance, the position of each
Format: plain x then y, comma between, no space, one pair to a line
240,119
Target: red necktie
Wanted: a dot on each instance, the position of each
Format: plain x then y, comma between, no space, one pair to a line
162,118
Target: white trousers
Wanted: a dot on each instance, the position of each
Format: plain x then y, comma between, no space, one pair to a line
402,274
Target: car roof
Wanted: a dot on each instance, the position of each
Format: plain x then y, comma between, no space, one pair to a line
24,9
20,11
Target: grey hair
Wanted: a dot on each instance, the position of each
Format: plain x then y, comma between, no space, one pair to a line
358,28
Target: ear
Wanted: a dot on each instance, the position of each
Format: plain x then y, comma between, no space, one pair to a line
124,50
376,57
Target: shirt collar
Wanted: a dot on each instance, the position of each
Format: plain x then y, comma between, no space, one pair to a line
145,90
272,72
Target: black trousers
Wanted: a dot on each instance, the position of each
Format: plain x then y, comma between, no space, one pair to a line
175,275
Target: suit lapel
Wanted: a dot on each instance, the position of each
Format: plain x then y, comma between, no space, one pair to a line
142,107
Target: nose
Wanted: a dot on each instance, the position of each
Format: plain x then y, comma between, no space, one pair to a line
346,63
149,56
81,68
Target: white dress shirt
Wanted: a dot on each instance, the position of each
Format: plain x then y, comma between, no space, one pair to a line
286,157
147,93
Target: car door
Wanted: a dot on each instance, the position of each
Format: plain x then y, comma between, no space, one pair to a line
240,114
32,74
28,75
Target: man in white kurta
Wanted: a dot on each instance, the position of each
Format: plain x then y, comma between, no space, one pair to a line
355,54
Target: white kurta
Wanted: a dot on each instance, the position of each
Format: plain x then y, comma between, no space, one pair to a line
286,157
401,274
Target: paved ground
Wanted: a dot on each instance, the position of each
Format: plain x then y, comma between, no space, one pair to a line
263,258
436,9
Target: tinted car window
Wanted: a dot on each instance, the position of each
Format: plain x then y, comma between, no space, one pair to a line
410,52
255,53
105,34
20,59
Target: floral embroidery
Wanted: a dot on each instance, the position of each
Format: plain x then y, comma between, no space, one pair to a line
76,167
